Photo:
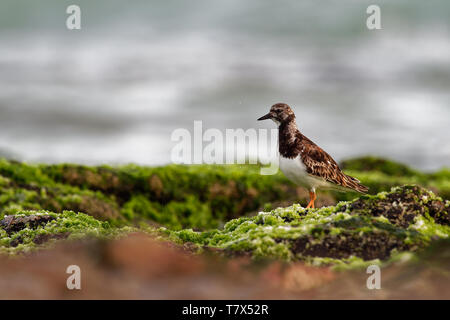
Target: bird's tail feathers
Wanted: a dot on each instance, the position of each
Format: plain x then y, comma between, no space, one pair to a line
355,184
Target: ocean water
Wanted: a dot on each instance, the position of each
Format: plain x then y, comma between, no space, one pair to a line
114,91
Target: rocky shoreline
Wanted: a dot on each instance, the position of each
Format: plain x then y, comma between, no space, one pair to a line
209,216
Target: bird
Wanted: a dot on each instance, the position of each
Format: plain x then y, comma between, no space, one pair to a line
303,162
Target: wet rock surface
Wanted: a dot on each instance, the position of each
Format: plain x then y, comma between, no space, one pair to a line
180,197
28,231
406,219
401,207
370,246
13,223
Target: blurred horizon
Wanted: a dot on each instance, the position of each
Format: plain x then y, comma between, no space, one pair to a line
114,91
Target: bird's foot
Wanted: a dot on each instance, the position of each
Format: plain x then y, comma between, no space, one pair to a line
312,198
310,205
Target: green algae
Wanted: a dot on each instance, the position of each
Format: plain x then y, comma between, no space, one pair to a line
15,198
175,214
376,164
346,234
179,197
216,208
27,231
381,174
210,207
200,197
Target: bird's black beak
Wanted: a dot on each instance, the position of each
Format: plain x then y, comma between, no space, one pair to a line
267,116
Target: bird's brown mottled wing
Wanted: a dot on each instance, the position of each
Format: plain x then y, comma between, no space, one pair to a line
321,164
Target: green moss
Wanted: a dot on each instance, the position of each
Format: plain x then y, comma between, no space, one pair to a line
23,173
220,200
175,214
370,228
28,230
176,196
198,196
15,198
376,164
216,207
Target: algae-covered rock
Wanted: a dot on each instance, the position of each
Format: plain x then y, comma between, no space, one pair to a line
369,228
26,187
403,206
376,164
201,197
177,196
209,216
16,223
28,230
381,174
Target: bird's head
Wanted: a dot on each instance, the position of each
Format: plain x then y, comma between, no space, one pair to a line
279,113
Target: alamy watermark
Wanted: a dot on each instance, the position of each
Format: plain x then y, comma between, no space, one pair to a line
74,280
373,281
73,21
234,146
373,21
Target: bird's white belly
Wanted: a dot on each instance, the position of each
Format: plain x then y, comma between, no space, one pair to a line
295,170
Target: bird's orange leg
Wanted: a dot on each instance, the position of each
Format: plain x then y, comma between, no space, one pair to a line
312,198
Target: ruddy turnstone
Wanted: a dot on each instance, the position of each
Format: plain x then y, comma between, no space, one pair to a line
305,163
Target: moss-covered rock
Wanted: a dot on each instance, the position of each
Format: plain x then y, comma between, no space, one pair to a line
376,164
28,230
198,196
369,228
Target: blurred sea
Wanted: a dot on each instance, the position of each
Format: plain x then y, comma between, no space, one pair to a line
114,91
